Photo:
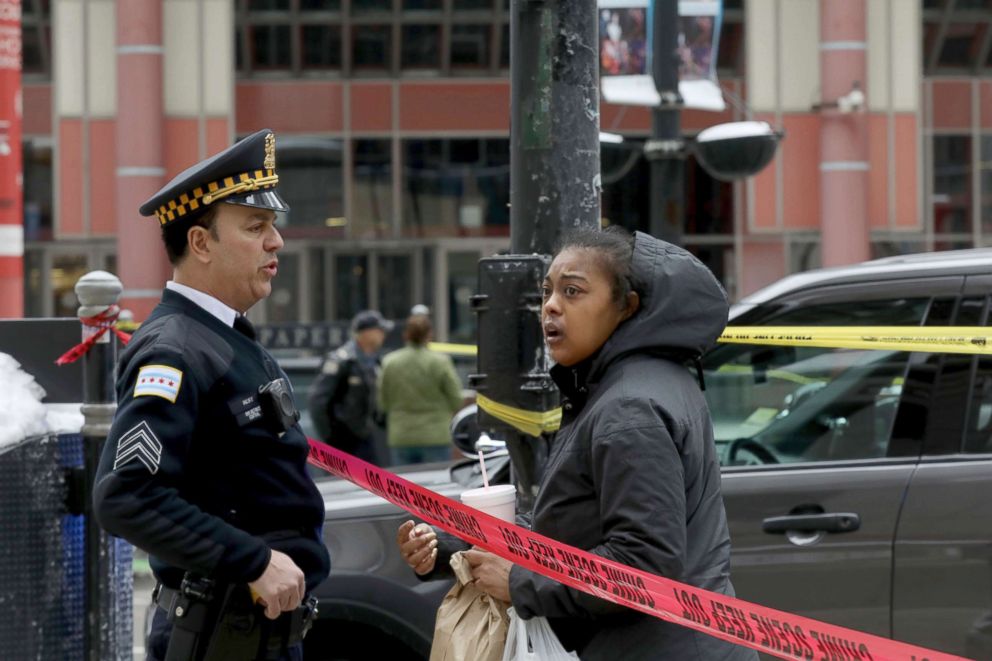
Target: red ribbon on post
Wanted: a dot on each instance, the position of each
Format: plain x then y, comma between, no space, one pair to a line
103,322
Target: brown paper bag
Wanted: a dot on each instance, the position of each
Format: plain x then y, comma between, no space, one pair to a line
471,625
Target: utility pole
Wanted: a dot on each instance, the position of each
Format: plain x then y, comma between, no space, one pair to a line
555,186
666,149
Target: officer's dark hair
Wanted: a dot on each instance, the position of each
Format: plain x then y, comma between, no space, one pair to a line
418,329
614,246
175,235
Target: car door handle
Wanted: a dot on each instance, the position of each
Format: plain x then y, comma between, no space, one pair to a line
842,522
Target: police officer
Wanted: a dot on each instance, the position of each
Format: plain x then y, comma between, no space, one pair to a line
205,464
343,400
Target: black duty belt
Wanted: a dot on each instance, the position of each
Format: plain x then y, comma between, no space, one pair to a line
239,628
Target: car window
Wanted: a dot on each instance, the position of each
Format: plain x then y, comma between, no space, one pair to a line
978,426
797,404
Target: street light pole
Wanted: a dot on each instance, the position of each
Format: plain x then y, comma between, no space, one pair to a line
555,186
666,149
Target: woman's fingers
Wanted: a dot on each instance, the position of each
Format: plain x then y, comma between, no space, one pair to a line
403,533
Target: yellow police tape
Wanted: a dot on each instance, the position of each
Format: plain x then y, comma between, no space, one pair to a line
935,339
533,423
932,339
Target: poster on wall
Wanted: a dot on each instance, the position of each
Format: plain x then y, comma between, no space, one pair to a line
625,51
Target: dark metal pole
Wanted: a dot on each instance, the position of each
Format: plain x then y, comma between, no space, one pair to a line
96,292
666,148
554,186
554,125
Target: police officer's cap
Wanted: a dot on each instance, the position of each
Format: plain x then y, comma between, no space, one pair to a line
244,173
370,319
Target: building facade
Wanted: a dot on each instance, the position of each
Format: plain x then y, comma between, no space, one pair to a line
392,119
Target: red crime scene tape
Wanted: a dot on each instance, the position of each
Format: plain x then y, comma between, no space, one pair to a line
767,630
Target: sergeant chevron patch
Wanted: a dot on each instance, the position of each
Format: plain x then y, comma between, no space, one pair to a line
159,380
139,443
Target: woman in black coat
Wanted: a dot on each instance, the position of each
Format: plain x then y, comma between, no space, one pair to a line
633,474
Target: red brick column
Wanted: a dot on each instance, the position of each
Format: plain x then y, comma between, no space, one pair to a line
141,261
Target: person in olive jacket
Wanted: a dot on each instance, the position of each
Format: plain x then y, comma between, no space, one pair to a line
343,400
419,391
632,474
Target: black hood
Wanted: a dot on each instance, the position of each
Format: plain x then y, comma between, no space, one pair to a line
683,307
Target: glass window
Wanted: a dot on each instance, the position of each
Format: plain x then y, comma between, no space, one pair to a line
421,47
709,203
626,177
37,191
321,47
395,285
720,259
320,5
985,164
372,192
372,46
268,5
34,283
456,187
472,4
422,4
34,49
959,44
318,285
470,46
311,181
283,304
351,282
270,46
799,404
952,197
366,6
504,47
66,271
463,281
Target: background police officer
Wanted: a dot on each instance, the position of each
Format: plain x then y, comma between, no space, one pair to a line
343,400
205,464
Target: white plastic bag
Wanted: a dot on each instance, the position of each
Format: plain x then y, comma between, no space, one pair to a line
533,640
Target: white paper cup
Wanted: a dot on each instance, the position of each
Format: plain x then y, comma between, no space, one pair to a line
500,500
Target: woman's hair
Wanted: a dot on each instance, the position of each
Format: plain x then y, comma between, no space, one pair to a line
175,235
615,248
418,329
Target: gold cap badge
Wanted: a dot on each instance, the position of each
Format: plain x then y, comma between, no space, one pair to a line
270,152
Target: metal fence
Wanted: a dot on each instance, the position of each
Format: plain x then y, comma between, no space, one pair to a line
42,570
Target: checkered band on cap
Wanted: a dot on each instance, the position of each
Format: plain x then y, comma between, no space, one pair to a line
215,190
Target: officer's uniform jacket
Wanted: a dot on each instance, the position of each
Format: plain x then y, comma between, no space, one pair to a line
192,472
343,401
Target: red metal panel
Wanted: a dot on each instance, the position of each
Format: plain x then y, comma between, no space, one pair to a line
292,106
69,156
102,170
37,109
451,106
800,154
371,107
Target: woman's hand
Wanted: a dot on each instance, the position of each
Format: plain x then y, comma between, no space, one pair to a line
418,544
491,573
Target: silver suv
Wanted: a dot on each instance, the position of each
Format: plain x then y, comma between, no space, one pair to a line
856,482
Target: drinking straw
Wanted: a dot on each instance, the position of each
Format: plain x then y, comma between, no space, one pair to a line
482,464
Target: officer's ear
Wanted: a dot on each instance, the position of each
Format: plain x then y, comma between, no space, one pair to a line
198,239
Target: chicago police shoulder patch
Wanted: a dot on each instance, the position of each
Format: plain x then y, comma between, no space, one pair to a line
159,381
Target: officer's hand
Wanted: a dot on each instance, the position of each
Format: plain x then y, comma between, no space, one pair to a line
418,544
281,586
